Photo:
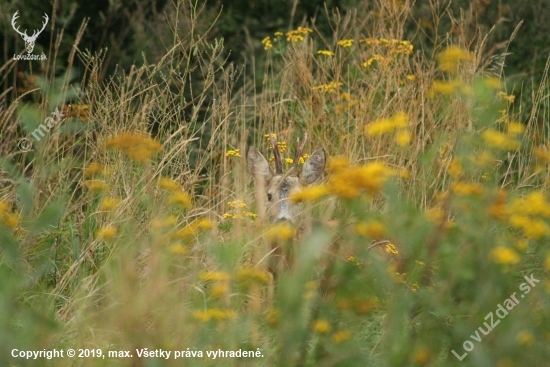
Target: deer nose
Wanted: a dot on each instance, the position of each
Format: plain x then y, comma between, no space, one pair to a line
284,219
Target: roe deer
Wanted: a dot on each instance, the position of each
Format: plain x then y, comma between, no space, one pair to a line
276,188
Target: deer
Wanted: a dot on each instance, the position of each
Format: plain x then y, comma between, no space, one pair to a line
29,40
273,188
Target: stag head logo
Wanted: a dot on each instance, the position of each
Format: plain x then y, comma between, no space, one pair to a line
29,40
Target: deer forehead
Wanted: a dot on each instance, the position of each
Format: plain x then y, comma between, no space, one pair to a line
283,185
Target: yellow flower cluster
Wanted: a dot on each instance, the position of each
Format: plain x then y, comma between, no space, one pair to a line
247,273
341,336
10,219
239,205
452,86
138,147
527,214
108,204
394,46
321,326
214,314
347,182
345,43
107,232
379,58
169,184
328,88
192,229
94,169
496,139
180,198
504,255
233,153
96,185
372,229
298,34
325,53
398,122
467,189
267,43
280,232
450,58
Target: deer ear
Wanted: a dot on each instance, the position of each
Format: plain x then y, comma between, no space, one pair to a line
314,167
258,165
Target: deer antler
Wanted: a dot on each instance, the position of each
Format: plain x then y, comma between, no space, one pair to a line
43,26
299,152
13,19
277,154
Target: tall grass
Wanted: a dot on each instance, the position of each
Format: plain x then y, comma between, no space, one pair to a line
133,224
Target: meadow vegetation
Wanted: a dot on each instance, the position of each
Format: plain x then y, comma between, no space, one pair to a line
133,223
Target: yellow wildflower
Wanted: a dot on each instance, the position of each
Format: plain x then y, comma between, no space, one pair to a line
337,164
345,43
321,326
372,59
328,88
372,229
496,139
164,222
298,34
237,204
249,273
106,232
515,128
233,153
467,189
92,170
138,147
421,356
532,228
96,185
504,255
448,59
379,127
403,138
308,193
278,33
391,249
169,184
218,289
325,53
289,160
341,336
280,232
108,204
214,276
180,198
214,314
525,337
11,220
178,249
267,43
410,77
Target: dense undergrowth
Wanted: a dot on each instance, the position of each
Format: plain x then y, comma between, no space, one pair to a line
132,223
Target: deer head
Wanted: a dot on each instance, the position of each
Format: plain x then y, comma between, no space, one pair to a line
277,186
29,40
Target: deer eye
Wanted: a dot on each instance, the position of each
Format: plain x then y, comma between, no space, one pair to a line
269,197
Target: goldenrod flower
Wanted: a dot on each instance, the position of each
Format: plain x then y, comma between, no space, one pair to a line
278,33
525,337
372,59
11,220
96,185
515,128
496,139
308,193
214,314
345,43
298,34
325,53
280,232
218,289
448,59
106,232
169,184
379,127
138,147
214,276
328,88
337,164
391,249
504,255
267,43
403,138
532,228
410,77
233,153
237,204
341,336
467,189
249,273
180,198
321,326
92,170
289,160
509,98
372,229
108,204
178,249
164,222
